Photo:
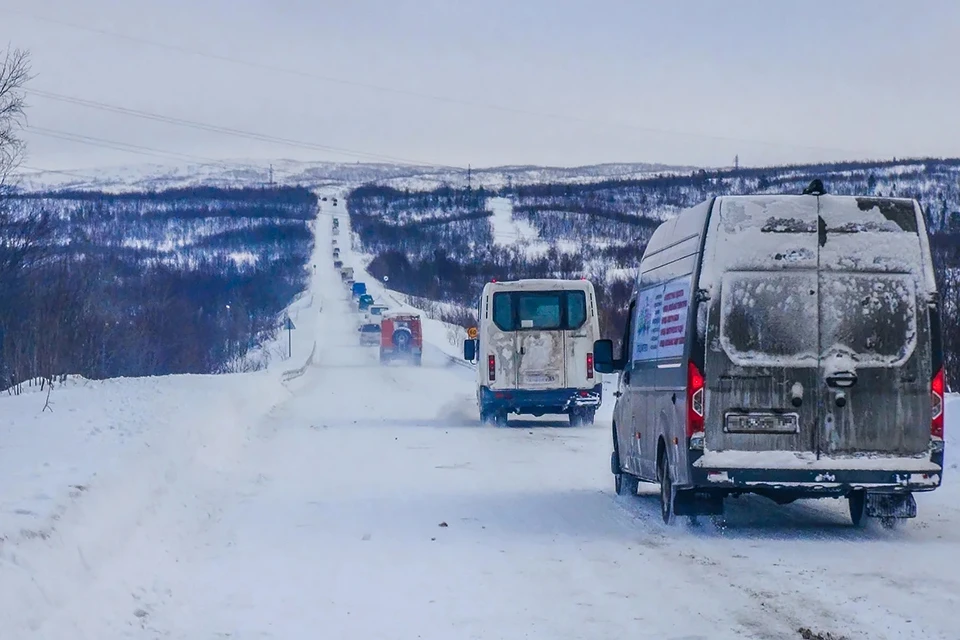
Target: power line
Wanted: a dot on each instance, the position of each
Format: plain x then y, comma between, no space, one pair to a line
119,146
418,94
203,126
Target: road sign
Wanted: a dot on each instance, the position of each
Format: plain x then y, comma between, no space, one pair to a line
472,333
289,326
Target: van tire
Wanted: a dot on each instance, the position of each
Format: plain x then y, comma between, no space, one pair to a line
581,417
666,490
494,418
626,484
856,501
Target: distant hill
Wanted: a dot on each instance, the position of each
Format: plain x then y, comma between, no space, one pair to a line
244,173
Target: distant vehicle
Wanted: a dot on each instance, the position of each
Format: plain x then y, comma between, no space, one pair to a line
336,222
336,253
337,264
346,273
787,346
375,312
535,345
348,282
324,198
358,289
336,231
364,302
401,338
333,242
369,334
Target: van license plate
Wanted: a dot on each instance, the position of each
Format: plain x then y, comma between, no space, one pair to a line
761,423
539,378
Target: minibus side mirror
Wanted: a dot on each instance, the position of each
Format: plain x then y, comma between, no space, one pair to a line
603,360
469,350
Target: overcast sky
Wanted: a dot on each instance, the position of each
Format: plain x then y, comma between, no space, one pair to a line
559,82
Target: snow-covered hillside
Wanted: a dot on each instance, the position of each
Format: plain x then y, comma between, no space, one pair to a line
245,173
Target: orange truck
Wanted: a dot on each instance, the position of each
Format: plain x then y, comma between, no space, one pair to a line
401,338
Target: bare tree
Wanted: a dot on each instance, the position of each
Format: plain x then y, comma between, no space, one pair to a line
14,74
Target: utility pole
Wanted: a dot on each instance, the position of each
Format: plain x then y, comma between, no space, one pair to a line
736,162
271,175
469,170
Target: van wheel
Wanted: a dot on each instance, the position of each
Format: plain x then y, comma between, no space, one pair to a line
856,501
581,417
626,484
494,418
666,491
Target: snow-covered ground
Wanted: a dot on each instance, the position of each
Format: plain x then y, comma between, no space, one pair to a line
360,501
508,230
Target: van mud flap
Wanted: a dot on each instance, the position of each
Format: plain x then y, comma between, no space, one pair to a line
891,505
690,502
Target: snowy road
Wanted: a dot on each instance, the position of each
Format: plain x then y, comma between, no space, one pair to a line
371,504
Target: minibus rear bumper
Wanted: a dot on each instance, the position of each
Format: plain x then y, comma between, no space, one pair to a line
540,401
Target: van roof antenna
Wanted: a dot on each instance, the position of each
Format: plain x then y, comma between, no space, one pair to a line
815,188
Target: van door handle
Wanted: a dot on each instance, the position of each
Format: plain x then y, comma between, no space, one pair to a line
521,350
673,398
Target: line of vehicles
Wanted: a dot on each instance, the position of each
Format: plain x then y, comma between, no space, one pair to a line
397,334
787,346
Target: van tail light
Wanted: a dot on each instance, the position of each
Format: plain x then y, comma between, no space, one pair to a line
589,366
492,367
695,384
937,387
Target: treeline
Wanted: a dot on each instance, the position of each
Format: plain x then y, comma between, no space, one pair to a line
439,244
153,283
934,182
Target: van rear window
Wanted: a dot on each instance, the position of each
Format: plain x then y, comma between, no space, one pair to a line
539,310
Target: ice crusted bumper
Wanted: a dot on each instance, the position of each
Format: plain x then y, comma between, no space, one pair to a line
801,473
540,401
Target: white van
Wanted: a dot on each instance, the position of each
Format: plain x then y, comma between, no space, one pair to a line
535,350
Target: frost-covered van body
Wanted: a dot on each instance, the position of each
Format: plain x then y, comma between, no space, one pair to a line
787,346
535,350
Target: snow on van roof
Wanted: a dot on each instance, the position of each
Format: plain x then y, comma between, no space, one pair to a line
542,283
771,233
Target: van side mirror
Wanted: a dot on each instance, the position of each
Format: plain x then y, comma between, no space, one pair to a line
469,350
603,360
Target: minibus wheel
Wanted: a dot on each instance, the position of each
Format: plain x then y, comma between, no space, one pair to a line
666,491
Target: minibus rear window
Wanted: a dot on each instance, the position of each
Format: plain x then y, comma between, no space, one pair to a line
539,310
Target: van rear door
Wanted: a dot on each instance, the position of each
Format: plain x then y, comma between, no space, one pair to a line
540,317
578,338
815,343
874,333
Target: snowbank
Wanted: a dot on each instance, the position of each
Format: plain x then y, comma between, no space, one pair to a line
78,480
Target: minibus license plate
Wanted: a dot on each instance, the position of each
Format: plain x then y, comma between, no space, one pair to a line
539,378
